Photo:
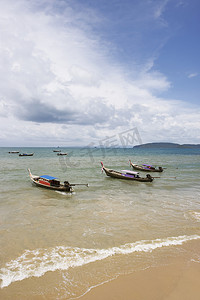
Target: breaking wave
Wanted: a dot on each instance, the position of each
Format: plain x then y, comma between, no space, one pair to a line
196,215
37,262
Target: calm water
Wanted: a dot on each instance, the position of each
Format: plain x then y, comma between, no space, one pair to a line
57,246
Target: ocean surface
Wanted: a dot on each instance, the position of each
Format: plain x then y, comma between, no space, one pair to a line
58,246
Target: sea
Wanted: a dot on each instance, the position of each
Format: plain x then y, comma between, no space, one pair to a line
57,245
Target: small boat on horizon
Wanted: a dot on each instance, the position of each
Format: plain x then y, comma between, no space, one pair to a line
126,174
26,154
56,150
146,167
13,152
61,153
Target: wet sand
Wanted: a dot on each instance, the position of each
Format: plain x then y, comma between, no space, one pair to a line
179,281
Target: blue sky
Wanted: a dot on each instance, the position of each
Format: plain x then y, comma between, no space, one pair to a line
166,31
76,72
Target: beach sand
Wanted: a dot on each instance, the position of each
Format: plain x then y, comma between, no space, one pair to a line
179,281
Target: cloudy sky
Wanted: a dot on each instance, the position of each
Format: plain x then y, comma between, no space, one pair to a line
75,72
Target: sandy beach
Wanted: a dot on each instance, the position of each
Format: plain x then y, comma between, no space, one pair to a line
180,281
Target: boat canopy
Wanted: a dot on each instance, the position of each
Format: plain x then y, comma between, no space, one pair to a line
130,172
147,165
48,177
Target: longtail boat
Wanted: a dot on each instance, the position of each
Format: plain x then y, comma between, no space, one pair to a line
53,183
126,174
50,182
61,153
26,154
13,152
146,168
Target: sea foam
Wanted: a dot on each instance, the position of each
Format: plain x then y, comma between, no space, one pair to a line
37,262
196,216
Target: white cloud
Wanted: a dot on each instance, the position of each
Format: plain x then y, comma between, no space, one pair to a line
59,85
191,75
159,8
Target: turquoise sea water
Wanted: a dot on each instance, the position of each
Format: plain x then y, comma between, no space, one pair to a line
58,245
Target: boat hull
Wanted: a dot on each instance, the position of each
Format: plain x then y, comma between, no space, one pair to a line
141,168
62,188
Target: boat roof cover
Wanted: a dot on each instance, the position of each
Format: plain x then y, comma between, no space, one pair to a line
130,172
147,165
48,177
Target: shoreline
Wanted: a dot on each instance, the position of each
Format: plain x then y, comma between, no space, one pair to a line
177,281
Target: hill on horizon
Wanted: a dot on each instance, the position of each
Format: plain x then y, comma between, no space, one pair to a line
166,145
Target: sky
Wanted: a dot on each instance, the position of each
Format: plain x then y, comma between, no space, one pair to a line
77,73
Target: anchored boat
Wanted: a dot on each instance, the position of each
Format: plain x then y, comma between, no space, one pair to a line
146,168
126,174
13,152
53,183
50,182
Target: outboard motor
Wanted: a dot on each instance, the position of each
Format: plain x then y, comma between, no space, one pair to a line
160,169
67,185
149,177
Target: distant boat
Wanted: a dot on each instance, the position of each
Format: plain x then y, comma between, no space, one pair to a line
26,154
126,174
50,182
145,167
61,153
56,150
13,152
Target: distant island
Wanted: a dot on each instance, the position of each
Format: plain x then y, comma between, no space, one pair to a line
168,145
